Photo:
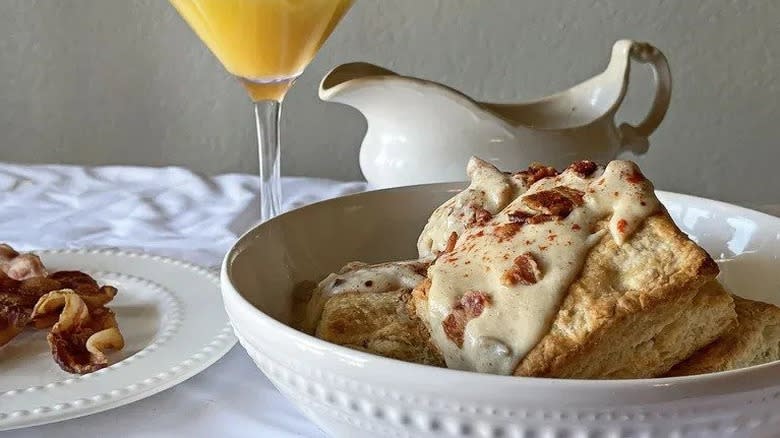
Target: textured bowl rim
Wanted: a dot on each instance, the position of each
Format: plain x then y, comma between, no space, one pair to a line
720,383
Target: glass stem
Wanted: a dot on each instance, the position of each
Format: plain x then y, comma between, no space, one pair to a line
267,119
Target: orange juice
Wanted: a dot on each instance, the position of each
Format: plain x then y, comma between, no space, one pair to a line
265,43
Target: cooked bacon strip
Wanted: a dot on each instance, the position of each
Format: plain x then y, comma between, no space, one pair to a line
535,173
7,253
87,288
12,322
506,231
480,218
584,168
470,306
20,266
17,299
558,201
453,239
524,271
80,337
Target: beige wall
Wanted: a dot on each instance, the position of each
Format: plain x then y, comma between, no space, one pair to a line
120,81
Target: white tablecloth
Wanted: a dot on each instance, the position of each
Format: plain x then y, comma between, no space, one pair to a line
169,211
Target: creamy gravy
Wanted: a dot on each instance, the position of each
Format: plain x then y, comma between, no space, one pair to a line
490,190
495,294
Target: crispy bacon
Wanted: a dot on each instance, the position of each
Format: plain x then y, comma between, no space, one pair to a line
506,231
636,176
524,271
70,301
584,168
6,252
80,337
558,201
86,286
576,196
17,299
535,173
521,217
20,266
481,217
470,306
451,241
454,326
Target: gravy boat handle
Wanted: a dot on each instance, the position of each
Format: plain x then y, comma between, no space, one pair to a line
633,137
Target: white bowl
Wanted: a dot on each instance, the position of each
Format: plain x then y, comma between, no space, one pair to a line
354,394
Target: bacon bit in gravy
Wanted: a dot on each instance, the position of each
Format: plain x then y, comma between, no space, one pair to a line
369,283
621,226
573,194
552,237
474,303
559,201
584,168
576,227
481,217
521,217
536,172
451,241
636,176
524,271
470,306
506,231
518,217
541,218
643,203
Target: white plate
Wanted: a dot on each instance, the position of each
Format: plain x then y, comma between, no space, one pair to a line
170,314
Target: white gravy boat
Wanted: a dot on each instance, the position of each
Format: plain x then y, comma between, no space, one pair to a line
421,131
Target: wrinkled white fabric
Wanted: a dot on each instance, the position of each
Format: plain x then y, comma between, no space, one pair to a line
169,211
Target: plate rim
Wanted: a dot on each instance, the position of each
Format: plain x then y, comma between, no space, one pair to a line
211,351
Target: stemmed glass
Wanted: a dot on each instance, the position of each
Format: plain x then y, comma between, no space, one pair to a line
266,44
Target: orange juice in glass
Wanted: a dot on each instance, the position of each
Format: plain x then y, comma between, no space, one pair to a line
266,44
